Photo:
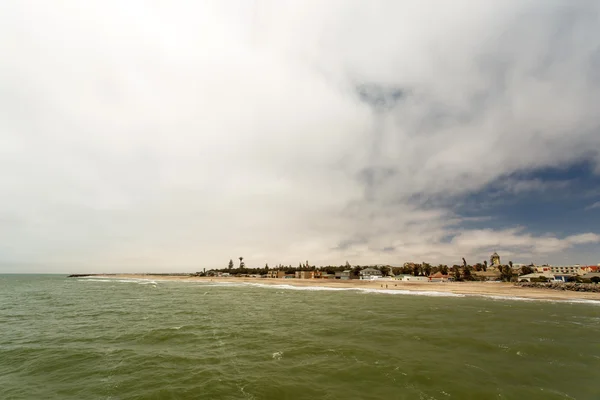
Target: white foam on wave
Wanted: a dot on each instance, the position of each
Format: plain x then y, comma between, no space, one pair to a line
334,289
420,293
220,284
517,298
363,290
293,287
498,297
147,283
139,281
430,293
583,301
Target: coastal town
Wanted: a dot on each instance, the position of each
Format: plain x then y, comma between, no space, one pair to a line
488,278
494,270
492,278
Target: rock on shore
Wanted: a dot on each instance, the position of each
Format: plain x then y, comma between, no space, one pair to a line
576,287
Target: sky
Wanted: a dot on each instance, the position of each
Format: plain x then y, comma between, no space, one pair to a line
174,135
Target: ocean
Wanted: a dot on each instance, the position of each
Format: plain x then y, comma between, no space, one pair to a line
89,338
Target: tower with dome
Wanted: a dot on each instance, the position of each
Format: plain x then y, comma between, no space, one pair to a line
495,260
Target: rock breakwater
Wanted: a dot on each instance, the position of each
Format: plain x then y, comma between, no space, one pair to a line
572,286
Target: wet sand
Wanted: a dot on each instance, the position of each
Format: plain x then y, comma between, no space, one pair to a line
466,288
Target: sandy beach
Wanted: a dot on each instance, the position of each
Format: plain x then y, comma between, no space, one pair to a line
464,288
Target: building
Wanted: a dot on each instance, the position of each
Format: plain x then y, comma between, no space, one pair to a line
565,269
562,277
535,275
495,260
304,275
438,277
489,275
344,275
370,273
275,274
410,278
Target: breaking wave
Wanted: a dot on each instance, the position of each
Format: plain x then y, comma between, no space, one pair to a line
363,290
427,293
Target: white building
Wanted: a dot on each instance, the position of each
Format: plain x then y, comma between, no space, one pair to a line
370,273
410,278
564,269
535,275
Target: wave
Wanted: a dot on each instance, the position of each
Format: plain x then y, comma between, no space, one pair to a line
132,280
347,289
377,291
421,293
517,298
581,301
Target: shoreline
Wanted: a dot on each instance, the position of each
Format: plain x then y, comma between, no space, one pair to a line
490,289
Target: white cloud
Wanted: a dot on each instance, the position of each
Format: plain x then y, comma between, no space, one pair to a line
184,134
583,238
515,242
518,186
592,206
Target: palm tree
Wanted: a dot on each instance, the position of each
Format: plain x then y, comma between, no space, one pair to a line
506,272
526,269
416,270
456,270
426,269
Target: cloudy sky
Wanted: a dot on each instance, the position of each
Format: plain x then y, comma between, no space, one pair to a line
173,135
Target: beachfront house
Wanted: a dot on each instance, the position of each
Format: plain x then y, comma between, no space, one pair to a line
565,269
438,277
304,274
370,273
562,277
344,275
490,275
536,276
411,278
275,274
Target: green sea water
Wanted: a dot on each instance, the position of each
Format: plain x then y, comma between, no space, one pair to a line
70,338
